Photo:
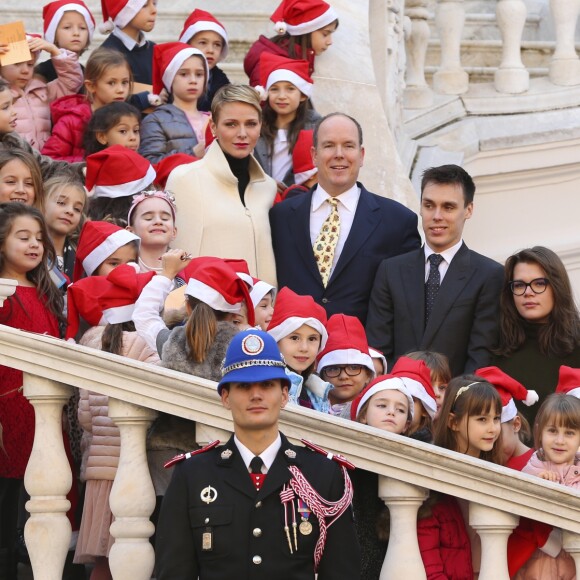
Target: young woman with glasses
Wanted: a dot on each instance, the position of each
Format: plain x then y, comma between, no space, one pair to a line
539,322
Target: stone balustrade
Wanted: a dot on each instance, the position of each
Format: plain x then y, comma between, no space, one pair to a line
407,469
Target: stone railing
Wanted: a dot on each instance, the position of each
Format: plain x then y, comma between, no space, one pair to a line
511,77
407,469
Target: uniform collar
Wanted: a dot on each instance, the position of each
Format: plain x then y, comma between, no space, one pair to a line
127,41
268,455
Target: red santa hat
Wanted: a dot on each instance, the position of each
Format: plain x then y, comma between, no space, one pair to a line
83,302
375,353
297,17
97,241
200,21
275,68
53,12
168,164
292,311
569,381
508,389
417,378
125,285
381,383
259,290
168,58
238,265
117,172
119,13
347,344
217,284
302,163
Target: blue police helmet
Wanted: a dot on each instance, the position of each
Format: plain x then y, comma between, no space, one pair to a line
253,356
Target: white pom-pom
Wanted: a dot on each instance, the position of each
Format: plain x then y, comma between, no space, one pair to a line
107,27
154,100
262,92
280,28
531,398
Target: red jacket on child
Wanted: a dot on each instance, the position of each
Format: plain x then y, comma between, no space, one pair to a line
70,116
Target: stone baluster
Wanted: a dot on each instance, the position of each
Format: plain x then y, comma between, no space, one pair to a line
7,288
48,479
571,543
511,76
494,528
403,559
418,94
132,497
450,79
565,65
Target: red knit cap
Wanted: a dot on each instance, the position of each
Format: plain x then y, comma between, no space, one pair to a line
53,12
569,381
417,378
298,17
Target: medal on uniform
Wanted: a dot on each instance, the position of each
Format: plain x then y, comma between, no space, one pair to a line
207,540
305,526
208,494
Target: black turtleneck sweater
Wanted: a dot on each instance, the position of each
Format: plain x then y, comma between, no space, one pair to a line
241,169
536,371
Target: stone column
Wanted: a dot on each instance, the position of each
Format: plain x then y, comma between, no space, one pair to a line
511,77
494,528
48,479
403,559
7,288
565,65
450,79
571,543
132,498
418,94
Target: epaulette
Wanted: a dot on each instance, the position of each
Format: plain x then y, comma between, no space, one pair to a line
340,459
182,456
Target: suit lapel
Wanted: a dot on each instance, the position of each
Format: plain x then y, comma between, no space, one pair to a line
279,474
413,283
455,280
235,473
366,219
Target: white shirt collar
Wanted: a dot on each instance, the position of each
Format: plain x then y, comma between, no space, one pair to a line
447,254
268,455
348,198
129,43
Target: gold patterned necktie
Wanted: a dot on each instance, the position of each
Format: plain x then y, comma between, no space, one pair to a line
325,243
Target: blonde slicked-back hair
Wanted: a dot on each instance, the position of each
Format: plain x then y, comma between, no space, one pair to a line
235,94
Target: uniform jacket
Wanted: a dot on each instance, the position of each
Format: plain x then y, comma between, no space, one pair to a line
444,542
263,153
382,228
70,117
165,132
247,526
32,104
217,80
464,322
212,221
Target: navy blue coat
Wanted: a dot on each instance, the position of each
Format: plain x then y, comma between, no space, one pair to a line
382,228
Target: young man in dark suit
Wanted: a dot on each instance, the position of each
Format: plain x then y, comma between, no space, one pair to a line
246,510
443,297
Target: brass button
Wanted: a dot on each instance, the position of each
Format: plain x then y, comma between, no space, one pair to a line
257,560
257,532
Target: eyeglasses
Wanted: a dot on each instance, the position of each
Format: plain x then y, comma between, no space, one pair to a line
350,370
538,286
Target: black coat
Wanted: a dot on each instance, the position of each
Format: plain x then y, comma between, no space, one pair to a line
247,526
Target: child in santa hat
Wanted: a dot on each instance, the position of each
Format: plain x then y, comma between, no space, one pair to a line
304,30
263,296
287,111
178,126
379,361
299,327
112,299
68,24
114,176
205,32
345,362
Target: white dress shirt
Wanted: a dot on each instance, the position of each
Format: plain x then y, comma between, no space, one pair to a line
320,210
268,455
281,158
129,43
447,256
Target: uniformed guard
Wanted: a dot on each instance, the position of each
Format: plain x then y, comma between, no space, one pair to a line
257,507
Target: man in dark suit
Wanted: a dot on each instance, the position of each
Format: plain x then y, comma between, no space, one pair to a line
246,510
443,297
368,228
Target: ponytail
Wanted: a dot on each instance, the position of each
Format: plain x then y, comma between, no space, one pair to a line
200,330
112,339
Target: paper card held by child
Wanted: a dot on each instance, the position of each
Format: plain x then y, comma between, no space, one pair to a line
14,36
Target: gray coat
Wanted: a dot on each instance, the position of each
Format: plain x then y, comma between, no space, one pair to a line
263,153
165,132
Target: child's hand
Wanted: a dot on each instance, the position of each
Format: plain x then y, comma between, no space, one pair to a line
36,44
173,261
281,187
550,476
199,149
4,48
